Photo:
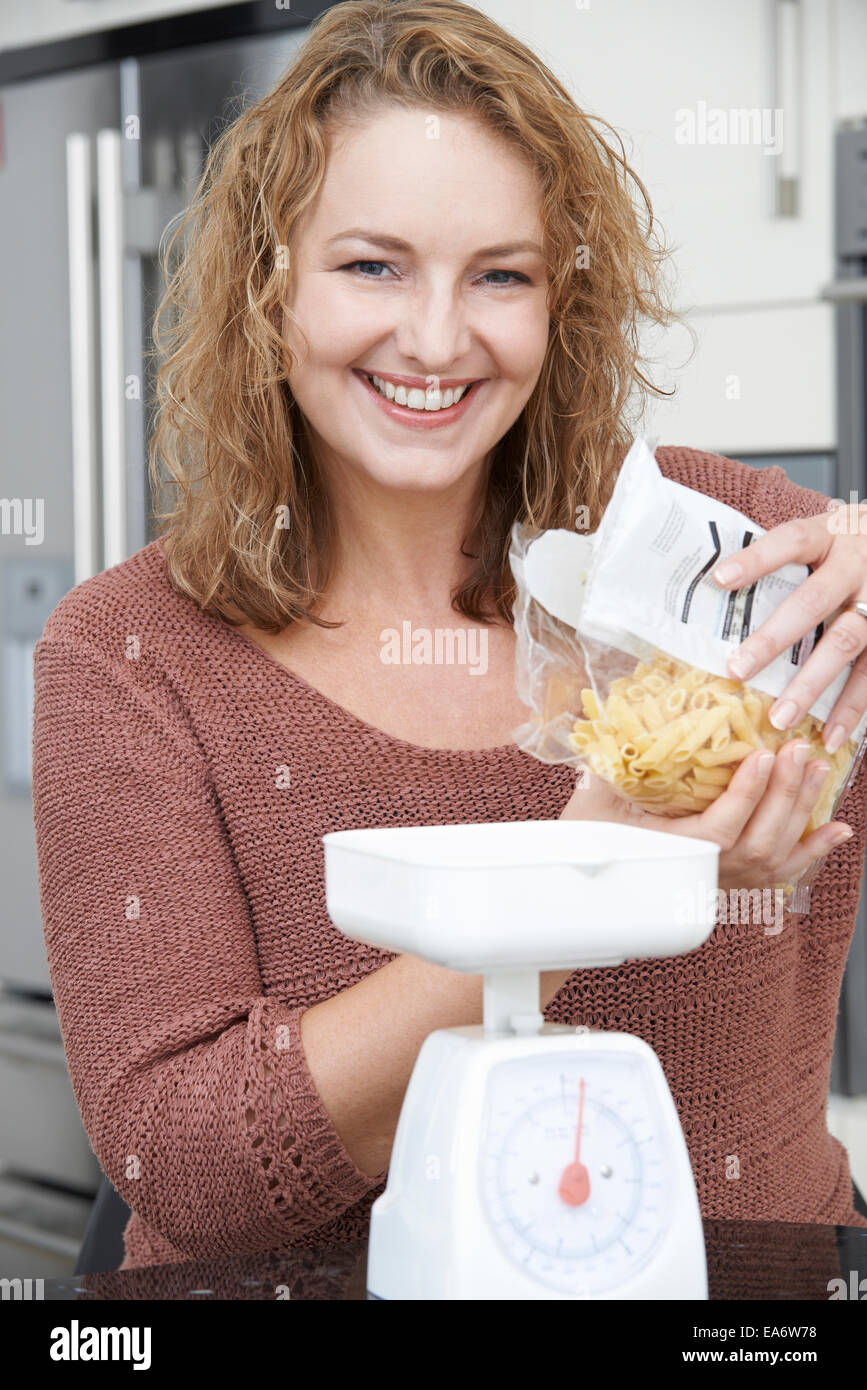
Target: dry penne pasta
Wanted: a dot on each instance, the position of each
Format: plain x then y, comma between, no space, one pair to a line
741,723
683,802
753,706
651,713
721,737
712,776
622,716
662,746
681,755
609,749
693,678
590,703
702,792
655,682
734,753
673,735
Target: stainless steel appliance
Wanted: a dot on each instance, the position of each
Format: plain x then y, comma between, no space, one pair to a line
849,293
103,140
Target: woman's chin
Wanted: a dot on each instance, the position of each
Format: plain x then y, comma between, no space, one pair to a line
413,471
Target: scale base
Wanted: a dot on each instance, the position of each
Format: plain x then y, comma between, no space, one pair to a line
431,1236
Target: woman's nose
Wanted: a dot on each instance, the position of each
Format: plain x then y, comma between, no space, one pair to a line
434,329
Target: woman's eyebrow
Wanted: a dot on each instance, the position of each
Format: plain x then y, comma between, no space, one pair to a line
393,243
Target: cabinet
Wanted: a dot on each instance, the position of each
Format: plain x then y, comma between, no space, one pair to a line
42,1130
648,68
762,381
43,21
749,280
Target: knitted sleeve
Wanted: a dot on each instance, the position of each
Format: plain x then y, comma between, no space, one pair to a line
193,1086
772,493
766,495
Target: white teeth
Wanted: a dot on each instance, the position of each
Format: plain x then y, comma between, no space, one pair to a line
415,398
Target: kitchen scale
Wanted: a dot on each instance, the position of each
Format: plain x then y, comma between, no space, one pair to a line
531,1160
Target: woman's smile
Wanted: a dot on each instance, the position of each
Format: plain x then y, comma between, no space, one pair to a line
417,407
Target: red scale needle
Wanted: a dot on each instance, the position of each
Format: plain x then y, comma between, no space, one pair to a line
574,1186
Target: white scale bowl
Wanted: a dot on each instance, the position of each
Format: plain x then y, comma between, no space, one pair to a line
549,894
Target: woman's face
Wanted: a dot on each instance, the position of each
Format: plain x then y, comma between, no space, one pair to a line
420,262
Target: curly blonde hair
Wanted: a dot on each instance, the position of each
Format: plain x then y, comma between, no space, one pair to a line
229,437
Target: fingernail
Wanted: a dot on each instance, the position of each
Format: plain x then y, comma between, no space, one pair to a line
742,666
784,714
835,739
764,761
728,571
820,769
801,753
844,833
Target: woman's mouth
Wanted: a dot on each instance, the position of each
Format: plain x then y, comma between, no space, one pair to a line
414,407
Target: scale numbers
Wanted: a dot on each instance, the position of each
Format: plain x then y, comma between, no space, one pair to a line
574,1171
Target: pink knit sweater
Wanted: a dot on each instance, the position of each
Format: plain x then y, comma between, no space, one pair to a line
182,891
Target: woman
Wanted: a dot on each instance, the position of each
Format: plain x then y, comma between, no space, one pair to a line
383,352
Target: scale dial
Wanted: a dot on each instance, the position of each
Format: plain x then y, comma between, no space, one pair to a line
575,1169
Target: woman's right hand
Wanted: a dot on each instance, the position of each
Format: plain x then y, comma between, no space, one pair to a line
757,821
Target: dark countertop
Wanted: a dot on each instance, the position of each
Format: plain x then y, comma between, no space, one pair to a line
746,1260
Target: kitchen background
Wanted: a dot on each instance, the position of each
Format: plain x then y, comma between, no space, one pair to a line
106,109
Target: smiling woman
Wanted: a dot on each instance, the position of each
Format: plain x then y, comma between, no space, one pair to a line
402,313
440,144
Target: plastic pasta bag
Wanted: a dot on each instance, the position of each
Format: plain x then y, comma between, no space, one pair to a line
622,642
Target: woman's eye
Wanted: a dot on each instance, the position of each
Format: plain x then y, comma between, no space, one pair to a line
514,277
366,264
368,270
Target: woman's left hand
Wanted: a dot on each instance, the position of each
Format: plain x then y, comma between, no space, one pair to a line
835,546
